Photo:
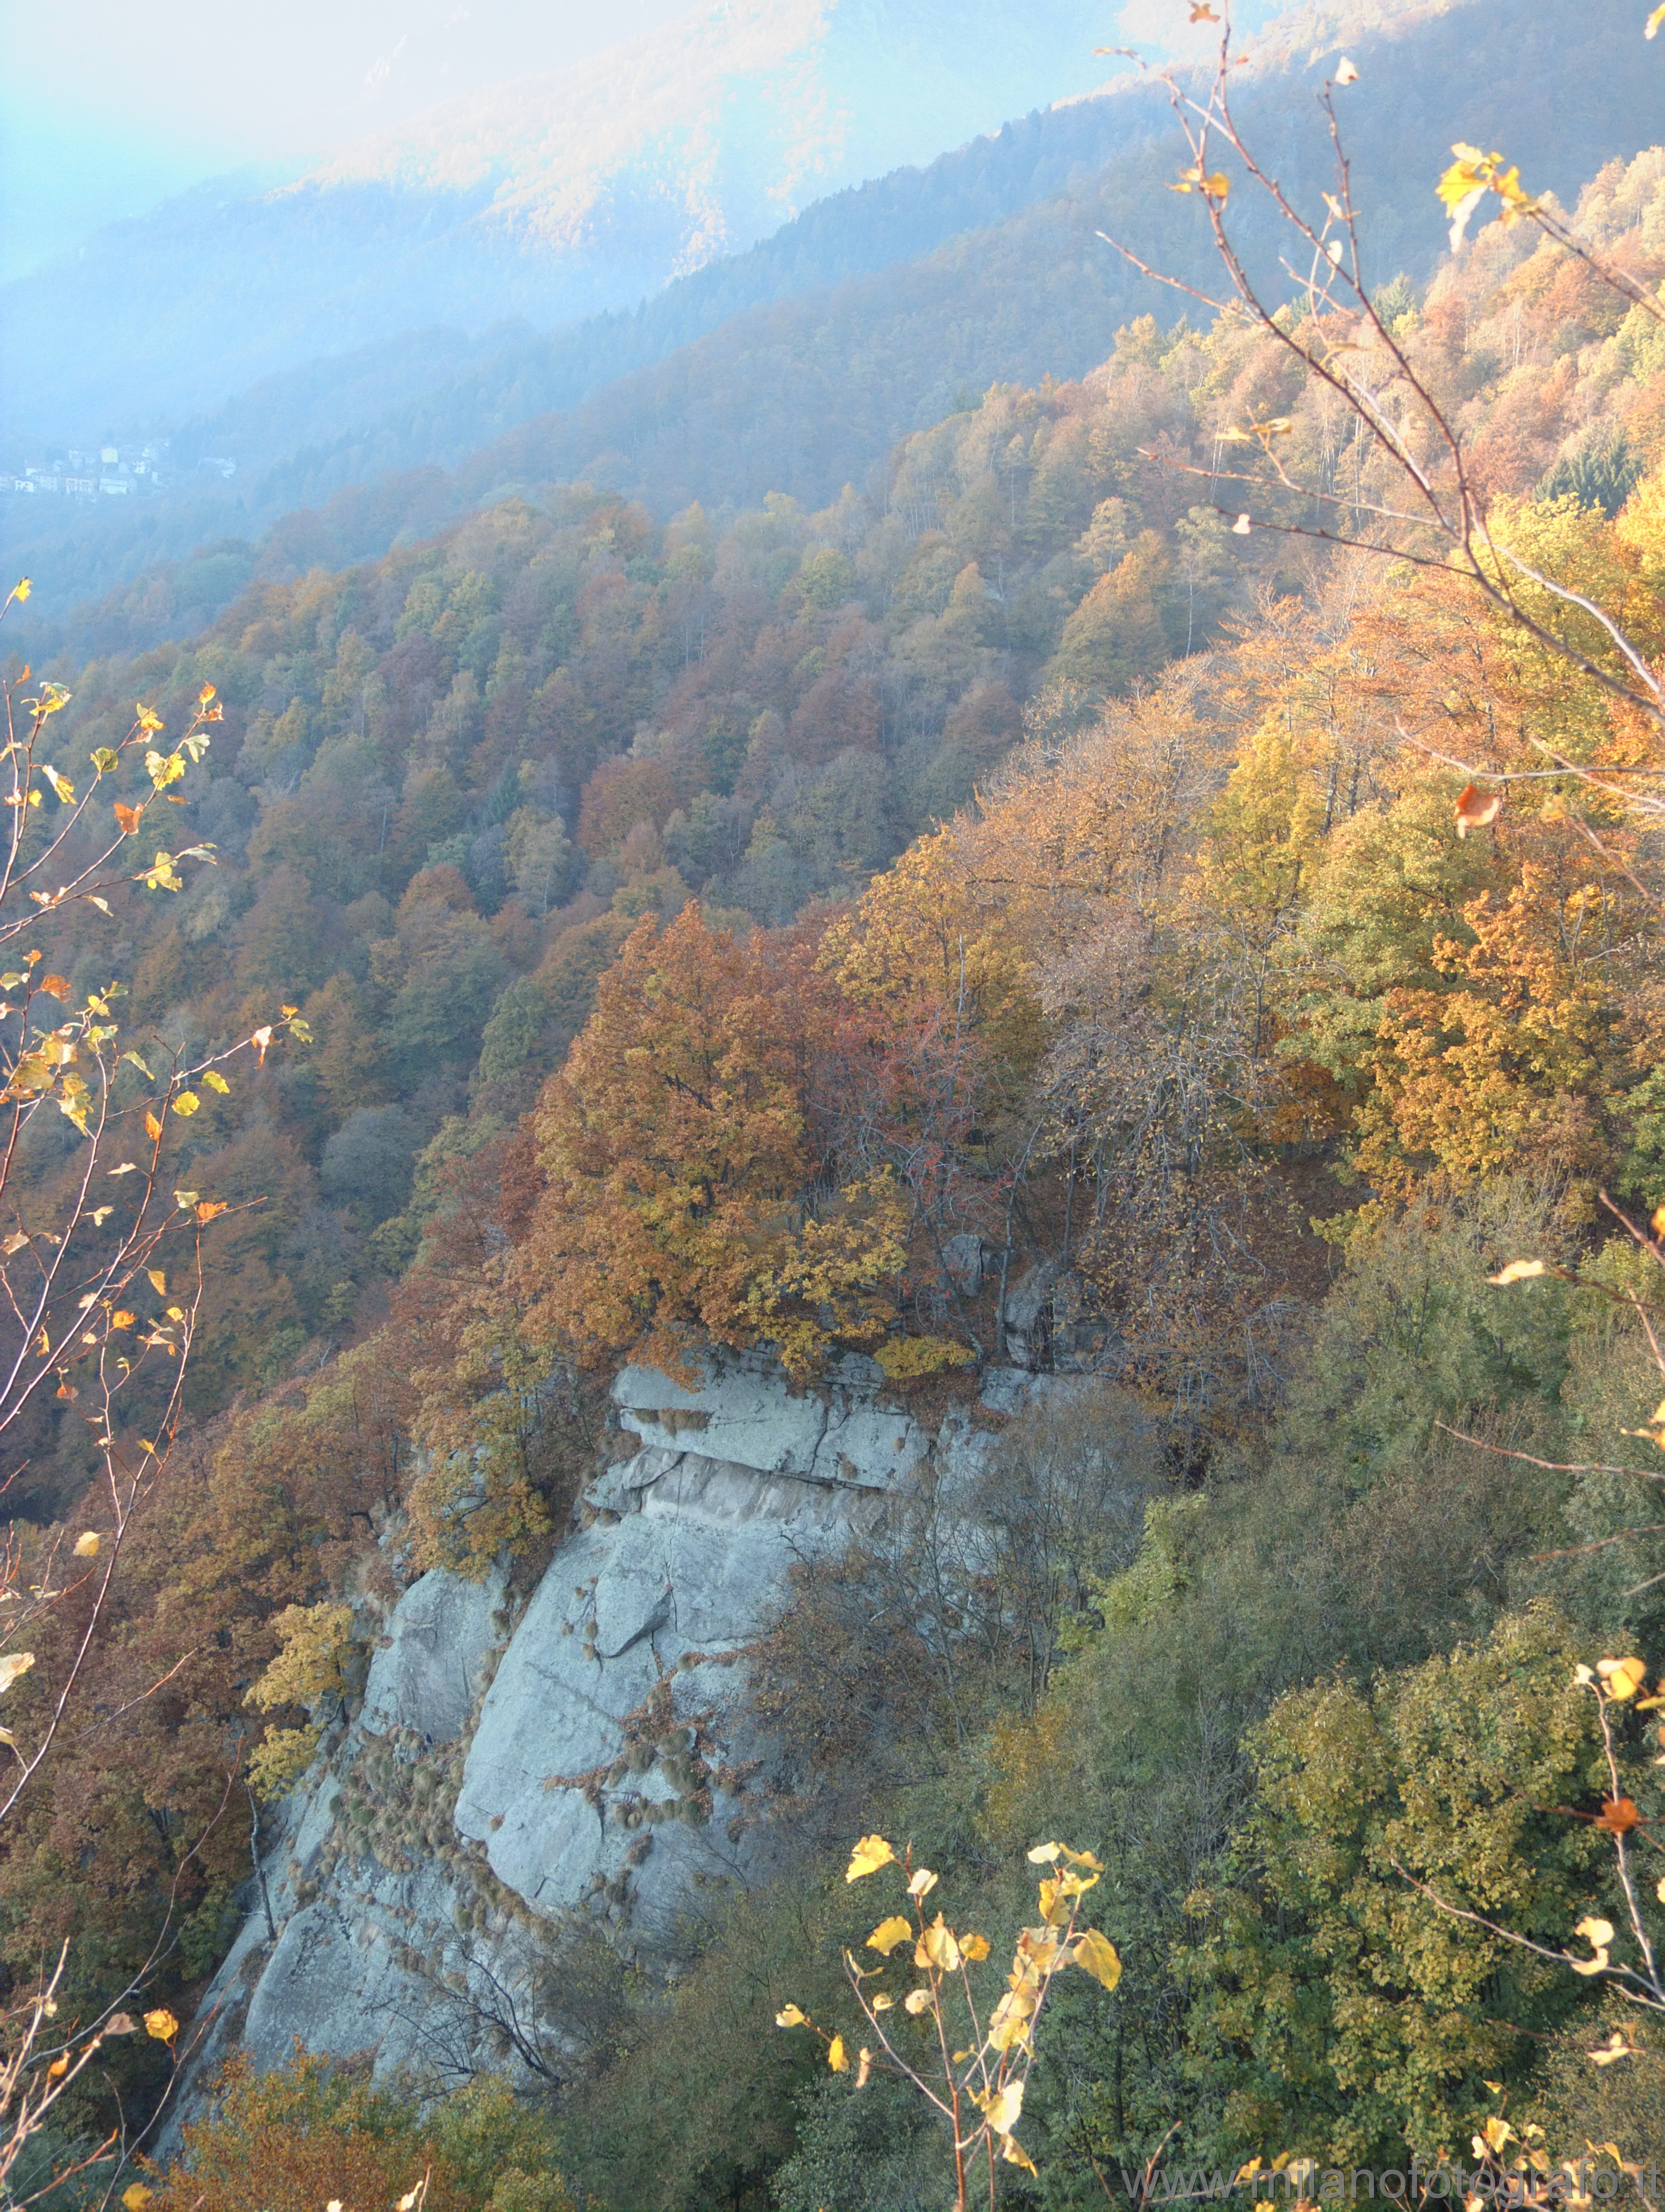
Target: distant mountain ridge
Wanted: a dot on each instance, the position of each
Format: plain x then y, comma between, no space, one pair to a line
551,199
796,365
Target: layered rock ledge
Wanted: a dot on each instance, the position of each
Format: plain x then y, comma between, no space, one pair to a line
591,1769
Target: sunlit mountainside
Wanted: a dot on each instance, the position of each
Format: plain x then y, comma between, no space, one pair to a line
791,365
875,1048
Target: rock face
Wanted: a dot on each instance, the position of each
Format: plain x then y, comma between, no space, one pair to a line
587,1770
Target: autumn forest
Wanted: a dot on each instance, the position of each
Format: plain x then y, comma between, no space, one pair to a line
1111,899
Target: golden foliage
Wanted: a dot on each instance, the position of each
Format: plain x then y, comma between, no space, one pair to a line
675,1148
295,2138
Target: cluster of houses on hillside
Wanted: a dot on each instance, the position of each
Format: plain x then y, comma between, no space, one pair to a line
106,472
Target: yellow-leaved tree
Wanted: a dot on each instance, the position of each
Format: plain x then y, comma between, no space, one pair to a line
101,1265
686,1189
978,2089
1543,704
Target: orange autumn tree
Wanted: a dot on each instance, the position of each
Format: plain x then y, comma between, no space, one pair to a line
297,2138
1485,990
685,1190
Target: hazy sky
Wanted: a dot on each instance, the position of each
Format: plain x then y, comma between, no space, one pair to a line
107,107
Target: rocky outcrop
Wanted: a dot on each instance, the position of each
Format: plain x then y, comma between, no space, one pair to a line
589,1770
1052,1323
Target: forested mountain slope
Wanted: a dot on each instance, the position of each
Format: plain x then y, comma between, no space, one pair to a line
702,920
795,367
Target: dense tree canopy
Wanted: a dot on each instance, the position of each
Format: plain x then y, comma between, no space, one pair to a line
704,929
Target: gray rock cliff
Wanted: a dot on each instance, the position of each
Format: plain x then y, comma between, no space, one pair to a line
512,1792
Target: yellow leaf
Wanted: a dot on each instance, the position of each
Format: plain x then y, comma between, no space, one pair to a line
87,1546
789,2016
1095,1952
1218,185
22,589
1005,2108
889,1932
974,1947
122,1319
152,1128
13,1664
17,1241
175,1313
158,1281
916,2001
162,2024
1346,73
1009,2022
1623,1677
883,2003
1616,2047
835,2055
136,2197
1057,1897
187,1103
1242,526
59,2067
1038,1949
1015,2153
163,877
1462,187
1598,1934
1043,1853
870,1853
938,1947
210,1208
1649,30
922,1883
215,1081
1519,1271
